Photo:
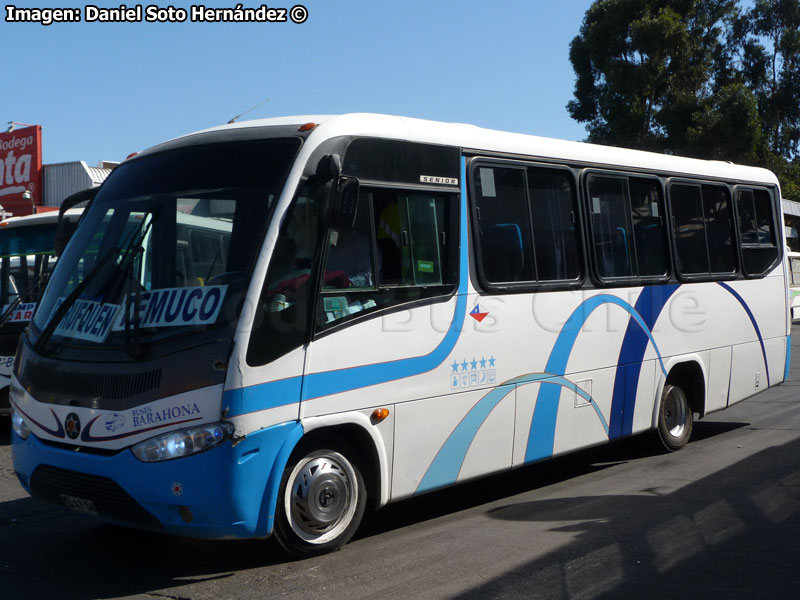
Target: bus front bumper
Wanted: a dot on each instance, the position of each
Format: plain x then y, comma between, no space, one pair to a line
228,491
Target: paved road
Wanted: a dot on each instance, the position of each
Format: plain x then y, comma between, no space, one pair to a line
720,519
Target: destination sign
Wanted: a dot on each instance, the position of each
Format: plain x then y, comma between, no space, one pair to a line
92,320
177,307
87,320
21,313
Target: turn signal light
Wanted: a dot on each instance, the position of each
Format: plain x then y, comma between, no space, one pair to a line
379,414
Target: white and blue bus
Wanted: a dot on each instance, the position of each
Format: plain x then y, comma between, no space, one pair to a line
27,256
391,307
793,271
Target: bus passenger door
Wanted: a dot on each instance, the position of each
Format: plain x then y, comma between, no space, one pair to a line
388,313
272,377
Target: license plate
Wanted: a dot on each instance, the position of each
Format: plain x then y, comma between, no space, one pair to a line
79,504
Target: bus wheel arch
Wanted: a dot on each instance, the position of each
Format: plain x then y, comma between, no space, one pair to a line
325,486
322,497
682,395
359,441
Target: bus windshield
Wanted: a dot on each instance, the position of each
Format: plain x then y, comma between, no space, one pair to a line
26,256
166,248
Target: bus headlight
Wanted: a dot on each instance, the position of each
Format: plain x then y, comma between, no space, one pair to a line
19,425
183,442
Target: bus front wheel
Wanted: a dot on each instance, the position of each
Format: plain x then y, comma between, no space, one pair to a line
674,418
321,501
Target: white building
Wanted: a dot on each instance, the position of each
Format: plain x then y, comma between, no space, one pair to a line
63,179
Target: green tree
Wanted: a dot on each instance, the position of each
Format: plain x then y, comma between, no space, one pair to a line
650,72
769,36
714,79
768,39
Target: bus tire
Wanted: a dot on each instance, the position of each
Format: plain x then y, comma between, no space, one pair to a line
321,501
674,418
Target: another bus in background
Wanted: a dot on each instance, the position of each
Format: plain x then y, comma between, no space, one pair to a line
793,266
27,256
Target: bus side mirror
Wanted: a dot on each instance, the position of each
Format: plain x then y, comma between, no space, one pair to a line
345,203
329,167
67,227
64,231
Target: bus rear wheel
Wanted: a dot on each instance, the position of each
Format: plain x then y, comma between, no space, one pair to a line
321,501
674,418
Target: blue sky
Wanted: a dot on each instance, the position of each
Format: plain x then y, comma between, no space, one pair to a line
101,90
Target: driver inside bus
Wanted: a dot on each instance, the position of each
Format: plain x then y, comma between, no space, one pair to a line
349,255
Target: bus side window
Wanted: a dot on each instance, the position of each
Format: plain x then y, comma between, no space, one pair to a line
554,212
611,228
407,231
348,256
394,250
719,228
703,227
425,223
690,241
504,224
649,231
756,230
794,265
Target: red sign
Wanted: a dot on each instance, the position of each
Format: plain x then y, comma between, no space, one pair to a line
21,170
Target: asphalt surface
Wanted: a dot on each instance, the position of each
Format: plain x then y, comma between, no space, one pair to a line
719,519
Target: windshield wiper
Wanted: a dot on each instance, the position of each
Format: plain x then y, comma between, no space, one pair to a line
137,234
55,320
132,343
131,336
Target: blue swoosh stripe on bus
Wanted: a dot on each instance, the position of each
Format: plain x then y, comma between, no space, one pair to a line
649,305
447,463
316,385
351,378
750,314
263,396
543,424
788,357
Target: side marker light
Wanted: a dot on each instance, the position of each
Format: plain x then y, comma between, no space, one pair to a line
379,414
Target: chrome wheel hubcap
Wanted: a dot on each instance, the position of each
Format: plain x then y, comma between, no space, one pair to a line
321,496
675,412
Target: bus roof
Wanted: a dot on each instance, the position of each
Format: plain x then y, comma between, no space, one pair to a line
471,137
73,214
